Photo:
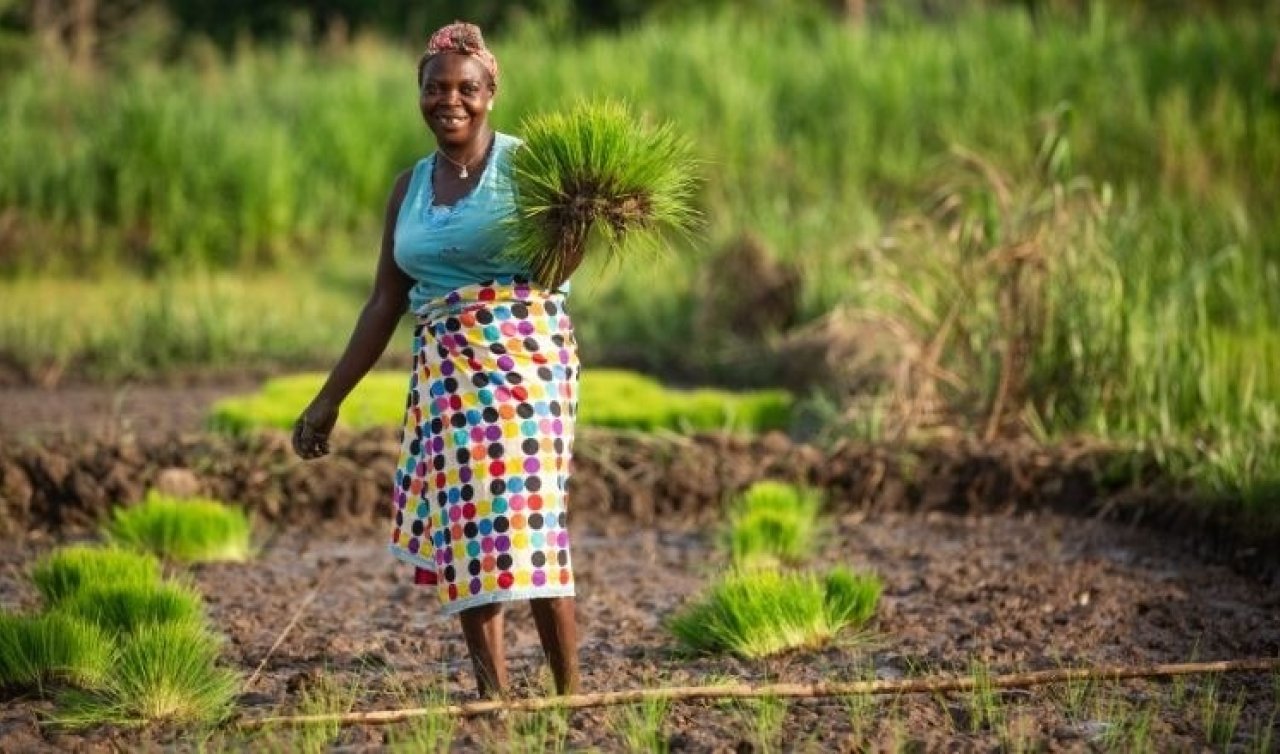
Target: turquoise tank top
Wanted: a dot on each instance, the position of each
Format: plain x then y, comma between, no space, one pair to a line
447,247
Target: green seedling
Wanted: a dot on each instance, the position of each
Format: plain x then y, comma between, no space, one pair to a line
36,651
595,179
759,613
772,523
123,608
163,672
64,572
192,530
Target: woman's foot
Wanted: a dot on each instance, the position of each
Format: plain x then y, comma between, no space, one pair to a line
482,629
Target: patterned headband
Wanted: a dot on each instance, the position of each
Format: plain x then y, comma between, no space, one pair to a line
464,39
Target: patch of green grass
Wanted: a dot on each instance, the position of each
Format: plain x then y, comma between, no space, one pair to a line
124,608
163,672
188,530
773,522
67,570
639,726
760,612
326,695
595,179
545,730
425,734
607,398
985,711
41,649
1219,718
761,720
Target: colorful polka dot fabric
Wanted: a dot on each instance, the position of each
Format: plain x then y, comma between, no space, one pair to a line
487,442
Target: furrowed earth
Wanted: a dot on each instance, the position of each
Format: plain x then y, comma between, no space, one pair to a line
1003,558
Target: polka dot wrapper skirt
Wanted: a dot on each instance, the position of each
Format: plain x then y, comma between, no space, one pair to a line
479,493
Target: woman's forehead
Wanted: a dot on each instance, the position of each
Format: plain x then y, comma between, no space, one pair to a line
449,66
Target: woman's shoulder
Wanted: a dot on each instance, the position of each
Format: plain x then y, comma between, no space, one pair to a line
505,142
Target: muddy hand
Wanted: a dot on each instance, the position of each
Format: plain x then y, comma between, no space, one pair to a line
311,437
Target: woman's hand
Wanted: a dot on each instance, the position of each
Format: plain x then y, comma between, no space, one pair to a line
311,431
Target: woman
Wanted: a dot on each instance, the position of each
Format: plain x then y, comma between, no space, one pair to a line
479,494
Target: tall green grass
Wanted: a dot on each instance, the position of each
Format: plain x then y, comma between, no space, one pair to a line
1166,290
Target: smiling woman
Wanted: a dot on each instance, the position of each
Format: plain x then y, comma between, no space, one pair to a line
480,487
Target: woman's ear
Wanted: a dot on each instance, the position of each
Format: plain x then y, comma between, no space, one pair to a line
490,104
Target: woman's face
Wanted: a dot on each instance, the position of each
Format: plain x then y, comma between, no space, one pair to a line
454,98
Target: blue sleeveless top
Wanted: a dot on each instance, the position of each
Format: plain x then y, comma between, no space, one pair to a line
447,247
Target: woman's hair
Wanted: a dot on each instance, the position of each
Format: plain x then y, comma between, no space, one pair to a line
461,38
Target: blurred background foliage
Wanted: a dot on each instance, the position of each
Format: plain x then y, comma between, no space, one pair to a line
1044,216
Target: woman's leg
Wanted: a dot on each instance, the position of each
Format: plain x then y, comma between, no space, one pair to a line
482,628
558,631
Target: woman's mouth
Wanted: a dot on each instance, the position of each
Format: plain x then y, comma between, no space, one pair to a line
450,120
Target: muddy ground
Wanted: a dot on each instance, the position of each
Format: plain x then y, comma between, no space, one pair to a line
1021,588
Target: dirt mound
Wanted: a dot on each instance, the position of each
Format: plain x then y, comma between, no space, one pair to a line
72,482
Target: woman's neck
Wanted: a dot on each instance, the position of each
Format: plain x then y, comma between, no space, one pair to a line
470,153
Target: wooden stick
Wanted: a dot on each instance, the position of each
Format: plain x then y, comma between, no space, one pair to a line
789,690
302,606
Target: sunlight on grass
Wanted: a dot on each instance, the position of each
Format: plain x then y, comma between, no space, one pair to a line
190,530
640,726
163,672
38,650
607,398
760,613
124,608
65,571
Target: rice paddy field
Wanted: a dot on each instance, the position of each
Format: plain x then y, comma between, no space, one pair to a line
969,367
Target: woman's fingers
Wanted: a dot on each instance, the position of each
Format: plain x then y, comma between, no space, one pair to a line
308,442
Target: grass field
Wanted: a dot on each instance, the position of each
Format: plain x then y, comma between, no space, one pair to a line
1080,226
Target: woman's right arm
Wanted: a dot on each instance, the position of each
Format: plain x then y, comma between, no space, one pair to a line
374,327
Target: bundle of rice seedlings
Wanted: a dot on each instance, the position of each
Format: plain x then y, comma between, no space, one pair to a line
123,608
851,597
184,529
163,671
39,649
67,570
597,177
773,522
759,613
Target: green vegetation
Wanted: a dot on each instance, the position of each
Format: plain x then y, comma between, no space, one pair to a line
188,530
772,523
63,573
52,648
595,180
125,608
164,671
640,726
1082,224
122,645
607,398
760,613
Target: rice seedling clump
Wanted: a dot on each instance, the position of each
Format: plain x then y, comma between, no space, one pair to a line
757,613
186,530
68,570
773,522
40,649
164,671
596,176
123,608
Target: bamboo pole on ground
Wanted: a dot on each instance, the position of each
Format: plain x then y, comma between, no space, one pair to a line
782,690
